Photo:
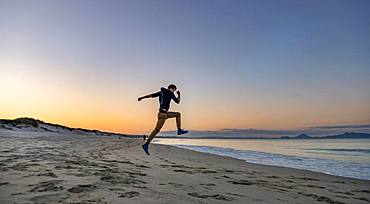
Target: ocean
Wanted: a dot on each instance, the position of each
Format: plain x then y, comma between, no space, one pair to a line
341,157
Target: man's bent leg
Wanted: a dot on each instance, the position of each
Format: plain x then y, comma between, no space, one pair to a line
178,118
161,119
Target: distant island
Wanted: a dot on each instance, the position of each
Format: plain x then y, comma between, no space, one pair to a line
347,135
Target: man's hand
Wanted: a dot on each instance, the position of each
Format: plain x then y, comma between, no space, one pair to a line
178,96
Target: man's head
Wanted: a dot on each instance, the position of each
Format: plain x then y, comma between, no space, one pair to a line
172,87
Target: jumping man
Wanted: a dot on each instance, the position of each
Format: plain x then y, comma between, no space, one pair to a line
165,97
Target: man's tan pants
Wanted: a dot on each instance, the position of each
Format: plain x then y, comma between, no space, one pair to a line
162,117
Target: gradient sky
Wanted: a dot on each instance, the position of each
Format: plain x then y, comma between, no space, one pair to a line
239,64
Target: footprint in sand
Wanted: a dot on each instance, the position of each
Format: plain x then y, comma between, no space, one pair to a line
117,161
129,194
272,177
176,185
62,166
4,183
306,178
362,191
81,188
47,186
321,198
241,182
215,196
208,186
312,186
183,171
142,166
362,198
48,174
115,179
188,169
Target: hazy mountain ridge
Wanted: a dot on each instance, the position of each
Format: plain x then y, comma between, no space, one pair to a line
39,125
347,135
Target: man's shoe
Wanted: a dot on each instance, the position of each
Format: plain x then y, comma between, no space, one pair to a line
181,132
145,148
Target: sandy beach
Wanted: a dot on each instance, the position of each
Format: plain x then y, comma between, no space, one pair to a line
50,167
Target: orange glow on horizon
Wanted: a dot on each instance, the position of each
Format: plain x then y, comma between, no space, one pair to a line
29,93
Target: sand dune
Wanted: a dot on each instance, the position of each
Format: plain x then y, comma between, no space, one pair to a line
52,167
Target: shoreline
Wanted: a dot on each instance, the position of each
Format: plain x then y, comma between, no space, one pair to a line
198,148
70,168
267,165
341,157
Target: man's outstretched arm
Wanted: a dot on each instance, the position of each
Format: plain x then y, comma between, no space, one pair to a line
153,95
